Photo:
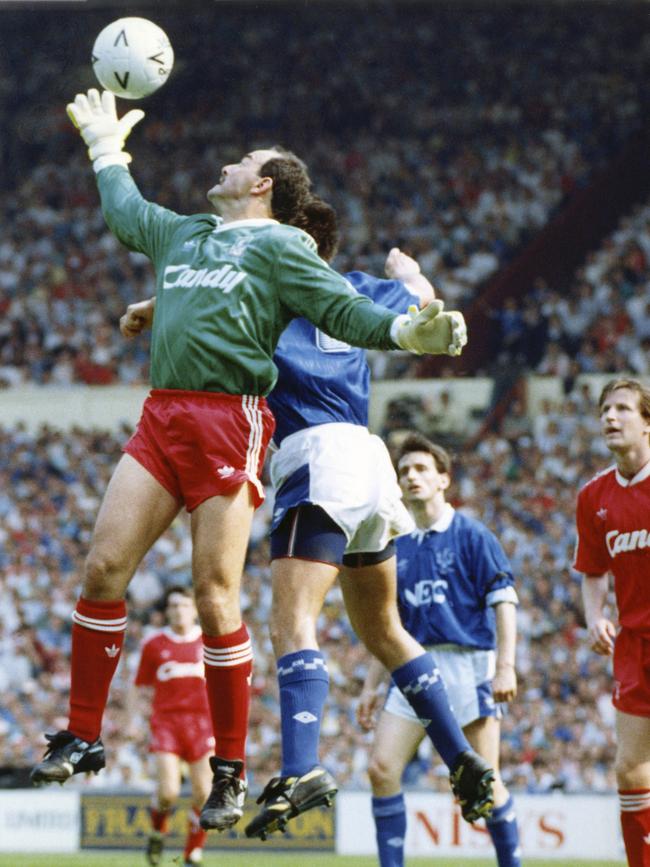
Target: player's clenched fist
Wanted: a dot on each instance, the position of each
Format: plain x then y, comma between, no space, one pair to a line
601,636
138,318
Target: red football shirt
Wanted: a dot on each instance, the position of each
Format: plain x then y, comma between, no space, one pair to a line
613,520
173,665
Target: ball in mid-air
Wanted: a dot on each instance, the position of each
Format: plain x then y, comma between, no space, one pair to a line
132,57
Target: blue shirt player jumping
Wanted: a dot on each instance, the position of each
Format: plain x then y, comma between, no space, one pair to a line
337,510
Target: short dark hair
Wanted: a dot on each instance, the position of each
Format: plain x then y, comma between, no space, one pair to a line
183,589
293,203
417,442
633,385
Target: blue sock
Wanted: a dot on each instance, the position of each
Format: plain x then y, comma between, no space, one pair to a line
504,831
390,824
304,684
420,683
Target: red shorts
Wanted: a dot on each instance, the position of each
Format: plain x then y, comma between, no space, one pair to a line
201,444
188,735
632,673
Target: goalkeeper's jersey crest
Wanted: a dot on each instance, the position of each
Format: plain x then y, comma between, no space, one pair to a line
324,380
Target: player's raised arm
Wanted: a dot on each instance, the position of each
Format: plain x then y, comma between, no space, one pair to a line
139,225
96,119
401,266
313,290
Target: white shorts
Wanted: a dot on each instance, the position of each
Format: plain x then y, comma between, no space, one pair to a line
347,471
467,674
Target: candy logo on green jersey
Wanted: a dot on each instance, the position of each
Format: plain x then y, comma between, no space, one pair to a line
182,276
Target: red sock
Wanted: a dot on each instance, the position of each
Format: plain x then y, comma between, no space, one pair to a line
635,822
228,666
196,836
159,820
97,637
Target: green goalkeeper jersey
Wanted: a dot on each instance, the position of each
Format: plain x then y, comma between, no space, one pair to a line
226,291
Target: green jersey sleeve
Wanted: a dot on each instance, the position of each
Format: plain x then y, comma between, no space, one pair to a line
140,225
308,287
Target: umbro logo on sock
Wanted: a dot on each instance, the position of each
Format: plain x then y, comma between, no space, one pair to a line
112,651
646,839
396,842
305,717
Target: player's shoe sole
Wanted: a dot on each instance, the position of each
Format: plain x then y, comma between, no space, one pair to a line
287,797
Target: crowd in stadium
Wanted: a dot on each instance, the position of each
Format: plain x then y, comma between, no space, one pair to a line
503,155
558,733
476,156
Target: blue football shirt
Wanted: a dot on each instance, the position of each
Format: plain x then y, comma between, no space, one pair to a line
448,579
322,380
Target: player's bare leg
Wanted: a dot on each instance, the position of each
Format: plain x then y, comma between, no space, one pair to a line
633,778
299,591
484,736
370,595
201,781
395,742
135,511
502,826
168,778
220,532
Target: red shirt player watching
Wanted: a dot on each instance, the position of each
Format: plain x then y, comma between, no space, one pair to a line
613,521
181,729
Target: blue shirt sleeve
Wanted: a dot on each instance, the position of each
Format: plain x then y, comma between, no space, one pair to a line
390,293
492,569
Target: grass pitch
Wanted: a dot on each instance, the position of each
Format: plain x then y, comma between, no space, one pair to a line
260,859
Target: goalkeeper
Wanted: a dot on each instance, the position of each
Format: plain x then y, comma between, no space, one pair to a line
226,287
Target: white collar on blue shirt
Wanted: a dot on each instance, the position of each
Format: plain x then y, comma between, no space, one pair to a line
443,523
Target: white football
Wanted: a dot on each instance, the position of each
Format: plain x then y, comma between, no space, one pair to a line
132,57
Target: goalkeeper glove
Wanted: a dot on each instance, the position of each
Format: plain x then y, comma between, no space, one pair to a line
96,119
430,331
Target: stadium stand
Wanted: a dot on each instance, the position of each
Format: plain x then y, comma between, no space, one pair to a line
479,150
557,735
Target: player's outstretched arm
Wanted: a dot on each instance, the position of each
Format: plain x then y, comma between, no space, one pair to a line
431,331
96,119
138,318
401,266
